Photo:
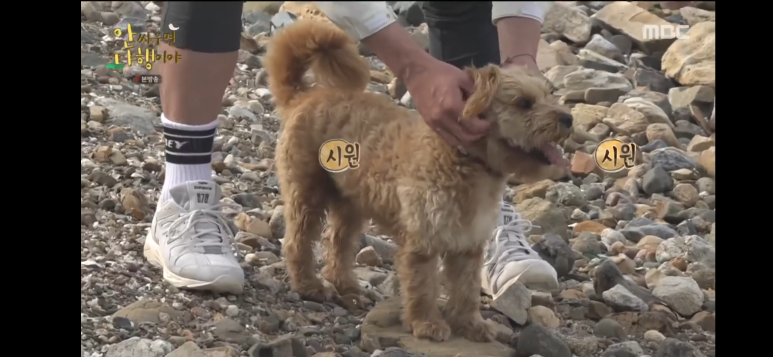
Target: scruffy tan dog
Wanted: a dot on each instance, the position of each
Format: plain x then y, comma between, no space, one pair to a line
433,199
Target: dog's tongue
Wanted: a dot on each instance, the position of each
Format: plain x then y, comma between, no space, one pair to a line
554,155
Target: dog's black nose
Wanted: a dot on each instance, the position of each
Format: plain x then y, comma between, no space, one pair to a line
565,120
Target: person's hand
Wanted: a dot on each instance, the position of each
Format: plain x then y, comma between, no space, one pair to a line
439,91
530,64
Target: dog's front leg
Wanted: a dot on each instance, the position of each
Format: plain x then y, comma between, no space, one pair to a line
462,273
418,281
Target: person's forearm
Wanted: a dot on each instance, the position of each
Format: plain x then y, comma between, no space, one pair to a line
397,50
518,36
374,23
519,25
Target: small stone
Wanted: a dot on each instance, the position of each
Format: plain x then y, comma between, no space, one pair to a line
672,347
631,347
662,132
654,336
699,143
188,349
368,256
686,194
97,113
139,347
543,316
537,340
261,258
566,194
145,311
657,180
253,225
232,310
514,303
620,299
277,222
582,164
610,329
681,293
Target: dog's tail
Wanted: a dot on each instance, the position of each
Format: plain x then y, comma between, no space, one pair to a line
328,51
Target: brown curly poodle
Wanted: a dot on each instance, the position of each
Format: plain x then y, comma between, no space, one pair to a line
435,200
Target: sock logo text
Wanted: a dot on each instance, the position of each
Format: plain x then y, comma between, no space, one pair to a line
174,144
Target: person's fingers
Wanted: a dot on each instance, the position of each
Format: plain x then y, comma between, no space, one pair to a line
447,137
467,85
471,128
475,125
455,128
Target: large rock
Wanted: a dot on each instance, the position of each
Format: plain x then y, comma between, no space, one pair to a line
304,10
536,340
683,97
188,349
554,54
586,116
695,16
568,21
672,347
137,347
268,7
692,60
652,111
628,19
556,74
708,161
382,328
544,214
121,113
681,293
591,78
623,118
146,311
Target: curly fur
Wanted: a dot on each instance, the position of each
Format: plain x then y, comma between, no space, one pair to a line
435,201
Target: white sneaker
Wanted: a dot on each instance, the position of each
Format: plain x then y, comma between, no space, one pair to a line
190,240
510,259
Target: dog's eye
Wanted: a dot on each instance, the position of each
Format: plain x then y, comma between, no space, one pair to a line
523,103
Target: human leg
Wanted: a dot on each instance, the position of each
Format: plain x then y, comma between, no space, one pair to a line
189,238
192,90
461,32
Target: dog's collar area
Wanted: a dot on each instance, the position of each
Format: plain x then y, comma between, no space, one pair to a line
466,153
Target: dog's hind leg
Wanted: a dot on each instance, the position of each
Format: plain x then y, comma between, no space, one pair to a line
341,241
462,272
419,284
305,203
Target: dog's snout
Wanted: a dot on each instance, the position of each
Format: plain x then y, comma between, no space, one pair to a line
565,120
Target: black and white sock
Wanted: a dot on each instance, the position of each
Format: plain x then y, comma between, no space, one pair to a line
188,153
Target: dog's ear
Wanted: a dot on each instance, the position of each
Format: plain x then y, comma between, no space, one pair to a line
486,84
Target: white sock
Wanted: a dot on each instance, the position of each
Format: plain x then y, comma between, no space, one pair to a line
188,153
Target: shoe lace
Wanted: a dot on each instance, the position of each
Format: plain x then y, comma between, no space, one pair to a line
510,239
209,217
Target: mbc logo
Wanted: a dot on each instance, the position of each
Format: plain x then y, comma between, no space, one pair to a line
665,32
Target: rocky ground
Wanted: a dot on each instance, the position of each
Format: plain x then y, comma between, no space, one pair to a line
634,249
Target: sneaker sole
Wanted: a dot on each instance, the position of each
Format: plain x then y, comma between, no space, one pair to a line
510,298
538,275
223,284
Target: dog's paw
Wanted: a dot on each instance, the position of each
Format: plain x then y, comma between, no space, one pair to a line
316,292
476,330
435,330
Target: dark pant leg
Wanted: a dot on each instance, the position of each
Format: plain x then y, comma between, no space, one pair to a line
461,32
204,26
